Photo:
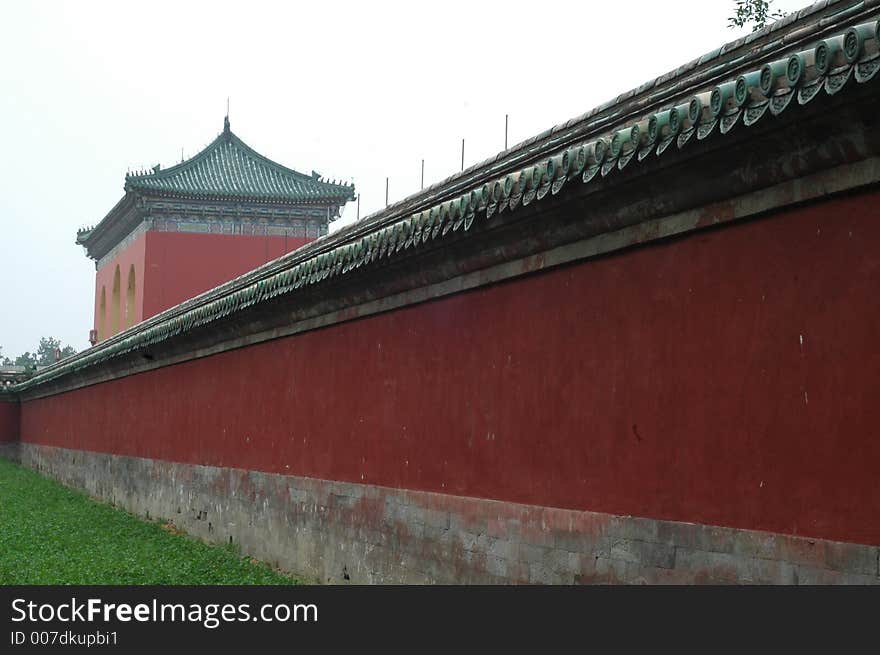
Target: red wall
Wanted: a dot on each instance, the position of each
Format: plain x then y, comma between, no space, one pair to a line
730,377
171,267
181,265
9,421
133,255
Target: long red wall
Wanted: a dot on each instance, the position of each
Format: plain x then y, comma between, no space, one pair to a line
181,265
730,377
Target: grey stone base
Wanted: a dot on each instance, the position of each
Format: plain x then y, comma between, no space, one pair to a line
10,450
342,532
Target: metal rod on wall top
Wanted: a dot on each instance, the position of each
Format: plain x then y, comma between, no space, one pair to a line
462,154
423,173
505,130
386,191
359,208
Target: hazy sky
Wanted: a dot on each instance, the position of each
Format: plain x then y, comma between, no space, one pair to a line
355,90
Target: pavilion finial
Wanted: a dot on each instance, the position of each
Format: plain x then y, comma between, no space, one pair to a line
226,124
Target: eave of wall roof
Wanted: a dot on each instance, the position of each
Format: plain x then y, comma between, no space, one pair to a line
428,218
810,23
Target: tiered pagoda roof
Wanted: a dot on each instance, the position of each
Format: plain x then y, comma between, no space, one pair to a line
226,171
229,168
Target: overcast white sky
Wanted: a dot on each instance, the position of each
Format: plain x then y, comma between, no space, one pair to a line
354,90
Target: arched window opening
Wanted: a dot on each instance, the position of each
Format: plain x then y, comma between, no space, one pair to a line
129,298
114,304
102,315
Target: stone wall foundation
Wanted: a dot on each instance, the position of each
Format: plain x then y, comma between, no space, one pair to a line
339,532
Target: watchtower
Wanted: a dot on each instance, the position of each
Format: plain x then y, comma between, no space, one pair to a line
180,231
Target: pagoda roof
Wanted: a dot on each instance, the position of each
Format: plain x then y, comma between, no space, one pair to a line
229,168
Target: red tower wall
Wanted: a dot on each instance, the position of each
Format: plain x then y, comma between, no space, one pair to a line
729,377
171,267
132,255
180,265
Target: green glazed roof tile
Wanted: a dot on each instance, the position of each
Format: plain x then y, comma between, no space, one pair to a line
228,167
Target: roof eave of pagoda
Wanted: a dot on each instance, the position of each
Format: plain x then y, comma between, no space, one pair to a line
163,181
122,218
128,213
148,193
144,188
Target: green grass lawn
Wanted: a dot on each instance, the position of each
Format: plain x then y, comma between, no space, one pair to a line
50,534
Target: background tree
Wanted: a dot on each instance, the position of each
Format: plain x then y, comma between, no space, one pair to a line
25,359
47,349
44,356
754,12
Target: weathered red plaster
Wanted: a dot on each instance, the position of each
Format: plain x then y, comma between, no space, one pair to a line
729,377
171,267
133,255
180,265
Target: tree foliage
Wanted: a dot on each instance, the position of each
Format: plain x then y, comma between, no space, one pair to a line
756,13
26,359
48,352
